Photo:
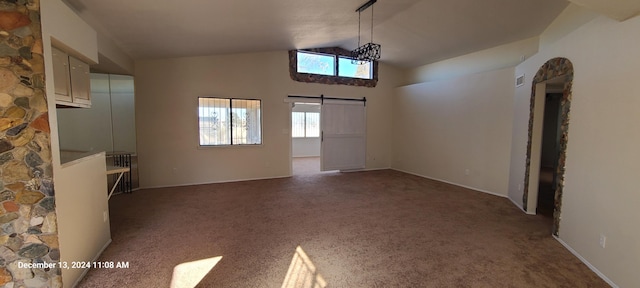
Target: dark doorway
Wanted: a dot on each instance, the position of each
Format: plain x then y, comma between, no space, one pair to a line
550,152
554,72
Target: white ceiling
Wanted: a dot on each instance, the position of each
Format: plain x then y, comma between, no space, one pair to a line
411,32
617,9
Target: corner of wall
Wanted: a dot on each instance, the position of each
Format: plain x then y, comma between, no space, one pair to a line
570,19
112,58
496,58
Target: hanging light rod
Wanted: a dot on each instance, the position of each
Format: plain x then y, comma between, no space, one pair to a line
369,52
366,5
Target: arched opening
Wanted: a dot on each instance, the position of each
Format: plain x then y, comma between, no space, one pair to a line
557,71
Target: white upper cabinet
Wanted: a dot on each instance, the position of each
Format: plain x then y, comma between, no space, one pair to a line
61,75
80,81
71,80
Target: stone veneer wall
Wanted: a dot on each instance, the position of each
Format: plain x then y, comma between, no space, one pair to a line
554,68
27,202
324,79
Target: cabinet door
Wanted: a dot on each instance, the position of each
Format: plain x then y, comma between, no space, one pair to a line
80,82
61,79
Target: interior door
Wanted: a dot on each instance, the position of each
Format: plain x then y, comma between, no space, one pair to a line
343,125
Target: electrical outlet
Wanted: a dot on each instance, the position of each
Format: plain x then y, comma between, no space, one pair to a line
466,172
603,240
519,187
105,216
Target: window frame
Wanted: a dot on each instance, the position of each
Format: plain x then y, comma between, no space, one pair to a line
231,144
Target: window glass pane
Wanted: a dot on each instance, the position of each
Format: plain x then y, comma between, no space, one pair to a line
348,69
213,121
297,124
313,124
224,121
316,64
245,121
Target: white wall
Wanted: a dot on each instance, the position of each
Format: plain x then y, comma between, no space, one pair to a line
166,116
81,237
600,194
305,147
443,128
83,231
495,58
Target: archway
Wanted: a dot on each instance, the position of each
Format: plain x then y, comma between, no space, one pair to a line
552,69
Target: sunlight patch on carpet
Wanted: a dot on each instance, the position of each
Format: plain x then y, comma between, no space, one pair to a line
189,274
302,273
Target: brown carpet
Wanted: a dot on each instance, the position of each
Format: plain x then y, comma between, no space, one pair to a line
364,229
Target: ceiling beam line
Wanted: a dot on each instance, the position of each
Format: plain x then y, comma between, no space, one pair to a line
366,5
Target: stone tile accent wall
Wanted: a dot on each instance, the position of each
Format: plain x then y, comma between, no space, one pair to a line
324,79
554,68
27,203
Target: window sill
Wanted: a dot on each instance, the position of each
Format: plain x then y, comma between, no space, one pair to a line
206,147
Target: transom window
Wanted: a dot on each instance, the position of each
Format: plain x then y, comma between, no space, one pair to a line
332,65
228,121
316,63
348,69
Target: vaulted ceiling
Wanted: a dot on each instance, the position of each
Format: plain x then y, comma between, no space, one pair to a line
411,32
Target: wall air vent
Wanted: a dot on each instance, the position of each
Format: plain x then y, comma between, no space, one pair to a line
520,80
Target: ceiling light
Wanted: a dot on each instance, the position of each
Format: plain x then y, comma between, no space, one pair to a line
368,52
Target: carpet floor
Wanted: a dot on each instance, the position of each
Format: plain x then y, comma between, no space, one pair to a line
362,229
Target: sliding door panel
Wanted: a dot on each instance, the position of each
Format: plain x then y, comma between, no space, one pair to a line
343,135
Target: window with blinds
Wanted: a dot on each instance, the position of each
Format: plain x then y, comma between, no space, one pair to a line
305,124
228,121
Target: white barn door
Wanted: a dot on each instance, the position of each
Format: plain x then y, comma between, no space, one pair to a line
343,125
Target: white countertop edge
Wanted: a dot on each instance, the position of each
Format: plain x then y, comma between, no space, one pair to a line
82,159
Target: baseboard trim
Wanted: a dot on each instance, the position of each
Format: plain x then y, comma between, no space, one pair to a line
249,179
214,182
593,268
132,190
364,170
377,169
95,258
520,206
452,183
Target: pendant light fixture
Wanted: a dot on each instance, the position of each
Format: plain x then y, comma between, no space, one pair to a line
368,52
